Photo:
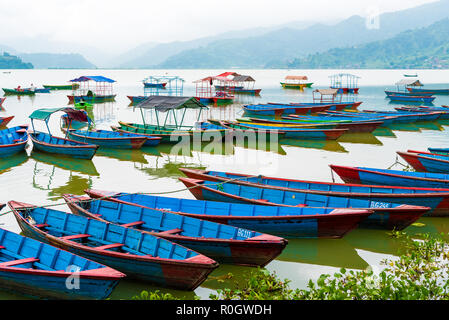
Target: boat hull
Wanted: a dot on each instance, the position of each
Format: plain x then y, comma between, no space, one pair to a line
385,215
79,150
295,224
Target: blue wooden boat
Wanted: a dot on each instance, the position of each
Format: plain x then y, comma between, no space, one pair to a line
386,215
36,269
385,177
47,143
423,161
402,93
436,199
444,151
223,243
13,140
290,222
138,254
444,112
113,139
5,120
421,91
136,99
154,85
291,132
424,99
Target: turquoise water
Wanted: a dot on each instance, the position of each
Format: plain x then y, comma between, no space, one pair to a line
40,178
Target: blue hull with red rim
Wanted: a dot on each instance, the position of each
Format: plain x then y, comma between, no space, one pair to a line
423,161
436,199
38,270
290,222
386,177
223,243
13,140
385,215
138,254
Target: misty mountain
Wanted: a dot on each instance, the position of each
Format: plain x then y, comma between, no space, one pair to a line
420,48
276,48
8,61
57,60
156,54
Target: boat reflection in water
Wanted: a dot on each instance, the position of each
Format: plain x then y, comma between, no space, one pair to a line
384,132
364,138
18,159
410,127
75,165
327,145
51,178
132,155
429,125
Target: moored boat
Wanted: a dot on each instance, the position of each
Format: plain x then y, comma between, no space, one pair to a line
112,139
137,254
386,215
290,222
36,269
436,199
423,161
5,120
421,98
223,243
61,87
18,91
387,177
13,140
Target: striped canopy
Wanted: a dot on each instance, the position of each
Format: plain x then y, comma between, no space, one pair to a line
45,113
166,103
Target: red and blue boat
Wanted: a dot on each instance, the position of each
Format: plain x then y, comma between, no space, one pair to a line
13,140
423,161
223,243
290,222
364,126
113,139
39,270
410,98
386,215
136,99
287,132
46,142
386,177
5,120
436,199
138,254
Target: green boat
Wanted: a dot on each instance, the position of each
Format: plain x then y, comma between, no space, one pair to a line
62,87
18,92
170,133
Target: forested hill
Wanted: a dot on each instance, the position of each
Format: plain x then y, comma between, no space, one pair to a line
425,48
8,61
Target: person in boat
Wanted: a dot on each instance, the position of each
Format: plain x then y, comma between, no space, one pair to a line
19,88
90,94
82,102
32,88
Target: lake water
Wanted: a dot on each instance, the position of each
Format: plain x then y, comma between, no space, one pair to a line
40,178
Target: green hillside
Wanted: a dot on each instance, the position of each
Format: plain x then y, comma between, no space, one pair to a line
8,61
425,48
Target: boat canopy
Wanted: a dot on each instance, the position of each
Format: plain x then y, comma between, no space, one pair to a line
326,92
73,114
241,78
93,78
409,82
296,78
167,103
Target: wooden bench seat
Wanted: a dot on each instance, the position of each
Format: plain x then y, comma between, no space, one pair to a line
41,225
17,262
133,224
110,246
173,231
75,236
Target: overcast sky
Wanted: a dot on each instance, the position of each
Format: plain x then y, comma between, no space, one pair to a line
113,23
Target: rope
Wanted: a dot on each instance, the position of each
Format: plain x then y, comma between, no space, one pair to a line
398,162
218,184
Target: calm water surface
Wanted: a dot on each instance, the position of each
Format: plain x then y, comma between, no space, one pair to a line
40,178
